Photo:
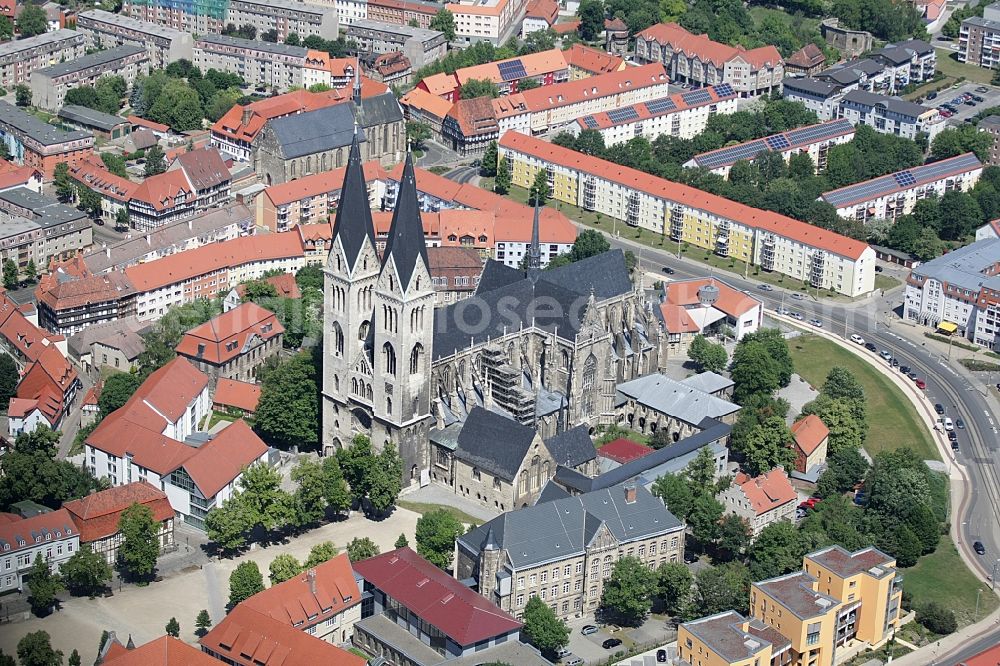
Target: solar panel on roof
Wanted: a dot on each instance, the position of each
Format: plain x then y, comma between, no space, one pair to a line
939,169
777,142
724,90
696,97
512,70
730,155
815,133
866,191
905,178
658,106
590,122
623,115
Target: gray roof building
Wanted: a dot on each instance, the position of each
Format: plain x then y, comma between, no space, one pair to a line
810,86
892,104
97,59
709,382
965,267
332,127
563,528
39,208
124,334
794,591
572,447
676,399
82,115
34,129
255,44
494,443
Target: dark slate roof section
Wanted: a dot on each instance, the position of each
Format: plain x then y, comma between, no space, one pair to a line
90,117
551,491
494,443
561,527
379,110
354,215
605,273
406,244
711,430
572,447
315,131
497,274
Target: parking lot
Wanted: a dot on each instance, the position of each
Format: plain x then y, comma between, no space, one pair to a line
654,632
989,94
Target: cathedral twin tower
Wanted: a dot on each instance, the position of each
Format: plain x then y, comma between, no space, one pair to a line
378,321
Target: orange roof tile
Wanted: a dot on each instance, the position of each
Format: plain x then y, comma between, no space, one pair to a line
226,336
426,102
57,523
767,491
18,177
70,284
284,285
163,651
642,111
217,463
142,122
92,173
21,407
592,60
96,516
243,122
546,10
318,183
780,225
475,116
241,395
163,190
733,302
808,56
809,433
602,85
215,256
567,27
700,46
49,380
677,320
311,597
29,340
440,84
535,64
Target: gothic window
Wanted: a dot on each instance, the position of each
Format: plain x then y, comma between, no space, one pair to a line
589,377
388,405
389,358
354,386
536,468
523,485
363,330
336,383
368,391
415,355
338,340
565,360
339,267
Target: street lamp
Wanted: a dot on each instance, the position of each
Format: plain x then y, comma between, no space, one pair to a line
979,592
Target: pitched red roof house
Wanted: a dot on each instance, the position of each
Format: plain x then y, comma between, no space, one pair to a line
25,533
591,60
51,382
283,284
767,491
809,433
215,464
623,450
163,651
311,597
164,190
96,516
239,395
224,337
707,50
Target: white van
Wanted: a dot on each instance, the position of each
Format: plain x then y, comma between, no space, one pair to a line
949,425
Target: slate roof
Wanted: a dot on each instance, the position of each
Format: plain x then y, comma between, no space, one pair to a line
90,117
354,216
379,110
494,443
709,382
314,131
564,527
204,167
965,268
675,399
572,447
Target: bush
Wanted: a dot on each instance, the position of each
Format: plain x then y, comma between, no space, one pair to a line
937,618
979,366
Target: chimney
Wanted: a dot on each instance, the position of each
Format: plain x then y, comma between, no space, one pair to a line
630,492
311,575
247,112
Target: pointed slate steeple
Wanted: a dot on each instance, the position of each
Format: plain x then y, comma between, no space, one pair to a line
354,216
406,245
535,250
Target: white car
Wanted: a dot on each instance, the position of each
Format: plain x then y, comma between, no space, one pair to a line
949,425
857,339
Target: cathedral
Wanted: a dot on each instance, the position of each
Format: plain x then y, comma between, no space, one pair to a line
545,348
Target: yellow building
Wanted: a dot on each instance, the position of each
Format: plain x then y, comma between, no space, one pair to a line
793,605
729,639
868,586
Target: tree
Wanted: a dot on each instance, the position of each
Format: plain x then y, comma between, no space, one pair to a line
903,544
488,165
589,243
540,190
384,480
292,39
155,161
845,468
766,446
173,627
719,588
675,492
245,581
955,141
203,622
31,271
179,105
308,500
265,503
22,94
673,586
85,573
32,21
478,88
937,618
761,364
320,553
43,586
89,201
361,548
10,274
283,567
847,433
528,84
435,534
226,525
401,542
121,220
269,36
8,378
65,189
960,215
353,462
140,546
777,550
30,471
35,648
288,410
543,629
591,13
925,526
74,658
6,28
501,185
117,390
704,517
734,538
444,21
628,594
417,132
709,356
255,290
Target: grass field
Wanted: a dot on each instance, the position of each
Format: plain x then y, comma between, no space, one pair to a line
892,420
949,66
425,507
810,25
943,577
885,282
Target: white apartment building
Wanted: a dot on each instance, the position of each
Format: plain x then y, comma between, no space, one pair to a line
50,85
19,58
260,63
891,196
348,11
890,115
815,140
959,293
493,21
979,38
686,215
51,535
821,97
104,30
284,16
683,115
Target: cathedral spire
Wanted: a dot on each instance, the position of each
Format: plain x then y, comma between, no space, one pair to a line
406,245
354,216
535,250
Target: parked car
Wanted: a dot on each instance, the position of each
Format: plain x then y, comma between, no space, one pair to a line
952,436
668,270
979,548
879,269
885,355
611,643
786,311
945,113
816,322
982,89
939,408
589,629
949,425
931,95
912,375
857,339
978,98
870,347
690,558
765,287
960,424
798,296
921,384
905,369
809,503
893,362
797,316
572,660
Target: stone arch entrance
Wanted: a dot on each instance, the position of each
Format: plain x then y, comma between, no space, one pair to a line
361,421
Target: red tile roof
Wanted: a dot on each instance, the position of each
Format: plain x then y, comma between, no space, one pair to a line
311,597
809,433
92,173
733,302
18,177
319,183
623,450
284,285
703,48
435,597
217,463
567,27
780,225
592,60
164,190
204,168
602,85
21,407
70,284
808,56
677,320
642,109
33,530
535,64
241,395
243,122
250,638
440,84
226,336
183,266
546,10
474,116
29,340
163,651
426,102
96,516
142,122
49,380
767,491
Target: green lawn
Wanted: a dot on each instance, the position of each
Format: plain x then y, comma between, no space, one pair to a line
810,25
943,577
893,422
949,66
425,507
885,282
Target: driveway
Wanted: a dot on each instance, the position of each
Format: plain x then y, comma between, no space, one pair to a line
655,632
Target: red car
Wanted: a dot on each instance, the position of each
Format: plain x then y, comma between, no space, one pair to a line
921,384
809,503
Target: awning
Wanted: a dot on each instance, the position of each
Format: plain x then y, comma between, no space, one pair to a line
947,327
